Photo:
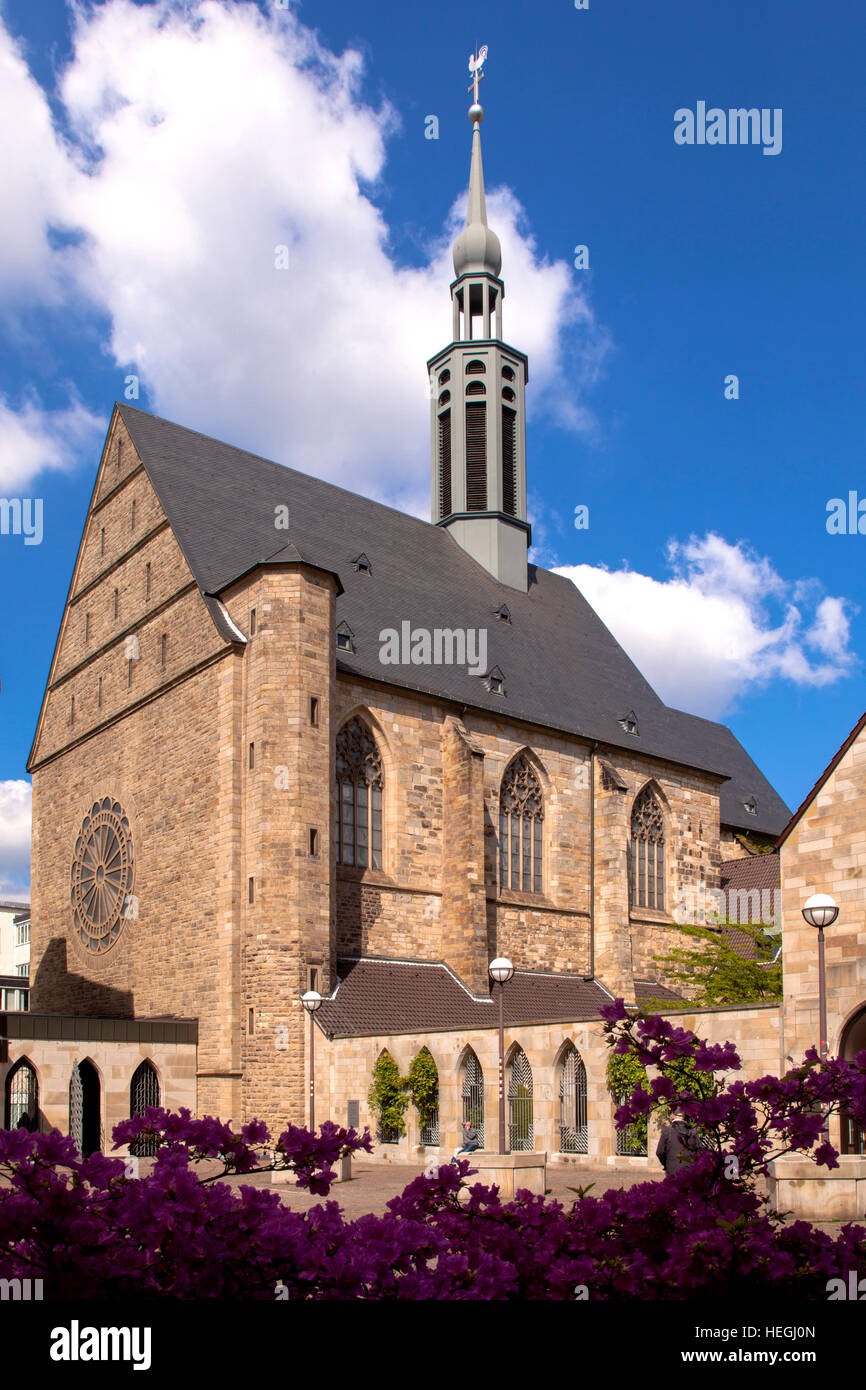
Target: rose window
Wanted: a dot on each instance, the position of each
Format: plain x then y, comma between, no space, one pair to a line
102,871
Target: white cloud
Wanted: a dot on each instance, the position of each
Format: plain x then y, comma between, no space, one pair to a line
205,135
723,622
15,800
36,176
32,439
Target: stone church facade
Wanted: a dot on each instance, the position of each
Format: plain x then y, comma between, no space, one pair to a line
266,762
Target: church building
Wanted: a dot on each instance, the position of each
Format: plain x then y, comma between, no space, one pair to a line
293,739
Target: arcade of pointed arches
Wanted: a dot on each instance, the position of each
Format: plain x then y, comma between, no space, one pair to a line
570,1090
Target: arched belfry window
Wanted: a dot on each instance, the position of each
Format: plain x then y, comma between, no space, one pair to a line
521,812
445,460
358,809
647,851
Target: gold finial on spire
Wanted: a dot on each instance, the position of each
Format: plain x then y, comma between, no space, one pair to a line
476,63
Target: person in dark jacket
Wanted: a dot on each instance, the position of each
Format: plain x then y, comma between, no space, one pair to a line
678,1144
470,1139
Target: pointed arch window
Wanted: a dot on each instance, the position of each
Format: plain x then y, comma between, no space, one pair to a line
573,1129
358,806
647,852
521,812
472,1093
22,1097
521,1128
143,1093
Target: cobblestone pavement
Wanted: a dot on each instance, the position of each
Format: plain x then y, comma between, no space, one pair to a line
374,1184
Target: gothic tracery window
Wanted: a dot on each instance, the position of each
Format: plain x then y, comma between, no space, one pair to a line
521,812
647,851
358,808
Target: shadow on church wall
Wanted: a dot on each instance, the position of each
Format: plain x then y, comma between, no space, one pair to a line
58,990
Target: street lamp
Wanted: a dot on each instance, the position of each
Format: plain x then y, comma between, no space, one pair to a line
312,1001
821,911
501,970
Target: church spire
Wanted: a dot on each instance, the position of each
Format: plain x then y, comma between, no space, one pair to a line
478,440
477,247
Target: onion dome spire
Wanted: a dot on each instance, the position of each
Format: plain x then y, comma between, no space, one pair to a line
477,248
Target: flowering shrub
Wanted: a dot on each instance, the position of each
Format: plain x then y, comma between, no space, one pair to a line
91,1229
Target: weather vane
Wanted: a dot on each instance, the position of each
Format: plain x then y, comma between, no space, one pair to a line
476,63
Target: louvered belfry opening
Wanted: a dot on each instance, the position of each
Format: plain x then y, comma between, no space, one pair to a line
509,462
445,463
476,456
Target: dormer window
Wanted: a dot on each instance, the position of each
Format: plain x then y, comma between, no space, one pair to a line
362,565
751,806
495,681
344,637
503,613
629,723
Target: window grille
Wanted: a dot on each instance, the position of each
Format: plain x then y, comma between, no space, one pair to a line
473,1093
143,1093
85,1108
358,806
647,851
430,1130
521,812
573,1128
521,1131
631,1142
22,1098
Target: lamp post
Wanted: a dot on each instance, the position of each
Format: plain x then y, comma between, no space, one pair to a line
821,911
312,1001
501,970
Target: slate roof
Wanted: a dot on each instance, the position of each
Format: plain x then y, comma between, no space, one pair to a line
378,997
563,669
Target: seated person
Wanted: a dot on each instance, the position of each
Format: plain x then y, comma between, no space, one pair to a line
470,1139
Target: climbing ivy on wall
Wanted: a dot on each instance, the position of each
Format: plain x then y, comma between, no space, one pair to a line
422,1084
387,1098
624,1075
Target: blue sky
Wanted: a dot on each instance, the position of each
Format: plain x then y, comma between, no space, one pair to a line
156,155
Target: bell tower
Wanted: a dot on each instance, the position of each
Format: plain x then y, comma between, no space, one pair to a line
477,394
